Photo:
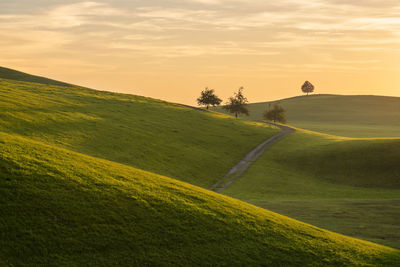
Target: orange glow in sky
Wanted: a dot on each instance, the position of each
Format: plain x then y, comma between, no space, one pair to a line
172,49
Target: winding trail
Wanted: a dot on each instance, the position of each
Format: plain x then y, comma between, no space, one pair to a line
245,163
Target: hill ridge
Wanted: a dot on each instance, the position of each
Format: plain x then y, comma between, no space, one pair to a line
11,74
317,95
357,116
142,132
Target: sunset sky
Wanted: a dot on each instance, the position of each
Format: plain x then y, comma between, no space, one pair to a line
171,49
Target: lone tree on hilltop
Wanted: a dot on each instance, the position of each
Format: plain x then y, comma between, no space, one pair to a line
276,114
208,98
237,104
307,87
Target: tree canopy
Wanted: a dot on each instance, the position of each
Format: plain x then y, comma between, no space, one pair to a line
307,87
208,98
237,104
276,114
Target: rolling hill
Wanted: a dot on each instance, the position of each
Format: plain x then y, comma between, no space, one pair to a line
6,73
149,134
347,185
349,116
85,180
63,208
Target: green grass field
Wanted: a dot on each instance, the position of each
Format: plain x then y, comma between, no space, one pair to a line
153,135
84,181
350,186
62,208
350,116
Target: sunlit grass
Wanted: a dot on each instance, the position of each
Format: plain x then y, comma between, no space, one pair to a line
60,207
340,138
165,138
80,185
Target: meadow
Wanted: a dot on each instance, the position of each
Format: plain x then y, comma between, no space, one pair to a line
350,186
63,208
91,178
341,115
153,135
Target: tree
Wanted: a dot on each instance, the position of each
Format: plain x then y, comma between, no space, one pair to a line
307,87
237,104
208,98
276,114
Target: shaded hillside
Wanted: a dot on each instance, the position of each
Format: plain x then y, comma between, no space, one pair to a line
62,208
350,186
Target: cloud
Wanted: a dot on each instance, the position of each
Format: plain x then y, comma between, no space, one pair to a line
207,2
64,16
201,28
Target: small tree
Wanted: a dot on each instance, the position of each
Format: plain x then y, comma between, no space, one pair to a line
276,114
237,104
208,98
307,87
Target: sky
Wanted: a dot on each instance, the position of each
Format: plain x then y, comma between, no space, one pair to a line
173,49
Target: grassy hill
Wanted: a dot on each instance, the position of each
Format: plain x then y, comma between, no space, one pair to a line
350,116
80,185
153,135
62,208
6,73
350,186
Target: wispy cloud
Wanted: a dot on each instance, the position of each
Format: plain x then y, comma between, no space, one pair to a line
311,35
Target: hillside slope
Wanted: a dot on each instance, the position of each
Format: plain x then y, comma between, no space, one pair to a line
367,163
351,186
63,208
350,116
6,73
149,134
78,187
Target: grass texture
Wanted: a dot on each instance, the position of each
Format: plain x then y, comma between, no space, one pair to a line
351,186
62,208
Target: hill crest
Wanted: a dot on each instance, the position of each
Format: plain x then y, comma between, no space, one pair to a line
10,74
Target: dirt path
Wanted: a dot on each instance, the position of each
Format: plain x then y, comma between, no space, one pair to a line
245,163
